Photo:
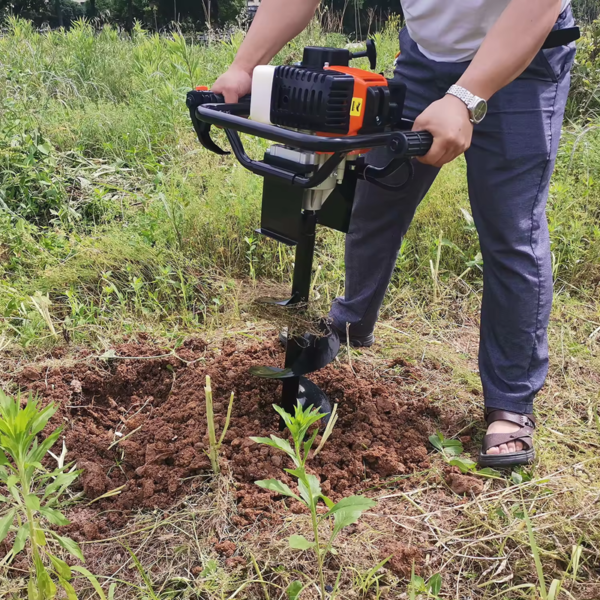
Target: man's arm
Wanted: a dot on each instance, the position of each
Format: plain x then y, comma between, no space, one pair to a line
275,24
507,50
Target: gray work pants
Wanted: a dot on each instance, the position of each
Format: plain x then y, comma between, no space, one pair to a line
508,167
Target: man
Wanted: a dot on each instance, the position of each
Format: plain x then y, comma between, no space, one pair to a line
458,59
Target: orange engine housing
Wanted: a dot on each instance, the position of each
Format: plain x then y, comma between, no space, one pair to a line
363,80
335,100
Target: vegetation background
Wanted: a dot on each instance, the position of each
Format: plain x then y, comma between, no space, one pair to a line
358,16
111,214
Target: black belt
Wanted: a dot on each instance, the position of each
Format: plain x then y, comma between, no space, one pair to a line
561,37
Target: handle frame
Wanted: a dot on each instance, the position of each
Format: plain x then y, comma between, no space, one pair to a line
205,112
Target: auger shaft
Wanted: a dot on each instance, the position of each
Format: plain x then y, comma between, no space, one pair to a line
305,251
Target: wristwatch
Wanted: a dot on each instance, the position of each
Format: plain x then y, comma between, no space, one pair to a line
476,106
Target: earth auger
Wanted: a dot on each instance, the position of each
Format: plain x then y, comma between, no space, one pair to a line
323,117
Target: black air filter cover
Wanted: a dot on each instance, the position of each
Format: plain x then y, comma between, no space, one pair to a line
312,99
317,56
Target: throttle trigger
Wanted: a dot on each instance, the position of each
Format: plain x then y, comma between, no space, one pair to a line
203,132
375,175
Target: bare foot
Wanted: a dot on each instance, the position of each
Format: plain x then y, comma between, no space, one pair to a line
505,427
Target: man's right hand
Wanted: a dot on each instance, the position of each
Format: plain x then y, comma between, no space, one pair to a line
233,84
276,22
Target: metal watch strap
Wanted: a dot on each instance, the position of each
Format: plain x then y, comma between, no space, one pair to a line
462,94
467,97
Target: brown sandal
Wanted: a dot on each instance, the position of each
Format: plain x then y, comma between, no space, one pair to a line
523,435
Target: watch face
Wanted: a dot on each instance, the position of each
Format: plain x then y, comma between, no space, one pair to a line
479,111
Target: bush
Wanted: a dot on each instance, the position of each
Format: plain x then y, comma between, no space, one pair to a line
584,100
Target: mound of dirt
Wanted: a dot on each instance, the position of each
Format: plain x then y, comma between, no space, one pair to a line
140,423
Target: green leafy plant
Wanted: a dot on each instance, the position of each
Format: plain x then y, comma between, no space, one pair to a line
448,448
345,512
519,476
365,581
34,497
213,445
294,590
451,451
419,587
210,579
250,254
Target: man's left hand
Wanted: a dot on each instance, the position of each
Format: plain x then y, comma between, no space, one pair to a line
449,122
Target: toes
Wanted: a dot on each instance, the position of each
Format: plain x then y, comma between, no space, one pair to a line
506,448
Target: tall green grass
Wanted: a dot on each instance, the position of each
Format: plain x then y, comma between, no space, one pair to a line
110,208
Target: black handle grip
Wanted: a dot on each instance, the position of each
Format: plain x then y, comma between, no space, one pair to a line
411,143
197,98
231,116
204,113
219,115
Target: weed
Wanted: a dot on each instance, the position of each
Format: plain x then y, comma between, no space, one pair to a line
214,446
520,475
556,585
149,589
294,590
42,304
435,268
250,253
365,581
451,451
35,498
346,512
418,586
448,447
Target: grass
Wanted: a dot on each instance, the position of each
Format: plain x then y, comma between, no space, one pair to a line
113,223
112,209
214,446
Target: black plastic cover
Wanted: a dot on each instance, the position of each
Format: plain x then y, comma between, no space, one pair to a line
317,56
312,99
383,107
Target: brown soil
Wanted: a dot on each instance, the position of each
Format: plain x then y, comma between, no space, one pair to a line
462,484
402,558
156,408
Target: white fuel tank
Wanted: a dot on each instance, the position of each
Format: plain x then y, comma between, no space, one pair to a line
262,87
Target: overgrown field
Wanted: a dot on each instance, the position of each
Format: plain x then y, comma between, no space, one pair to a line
121,237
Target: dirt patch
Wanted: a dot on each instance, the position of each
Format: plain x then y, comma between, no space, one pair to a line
226,549
402,559
462,484
140,424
